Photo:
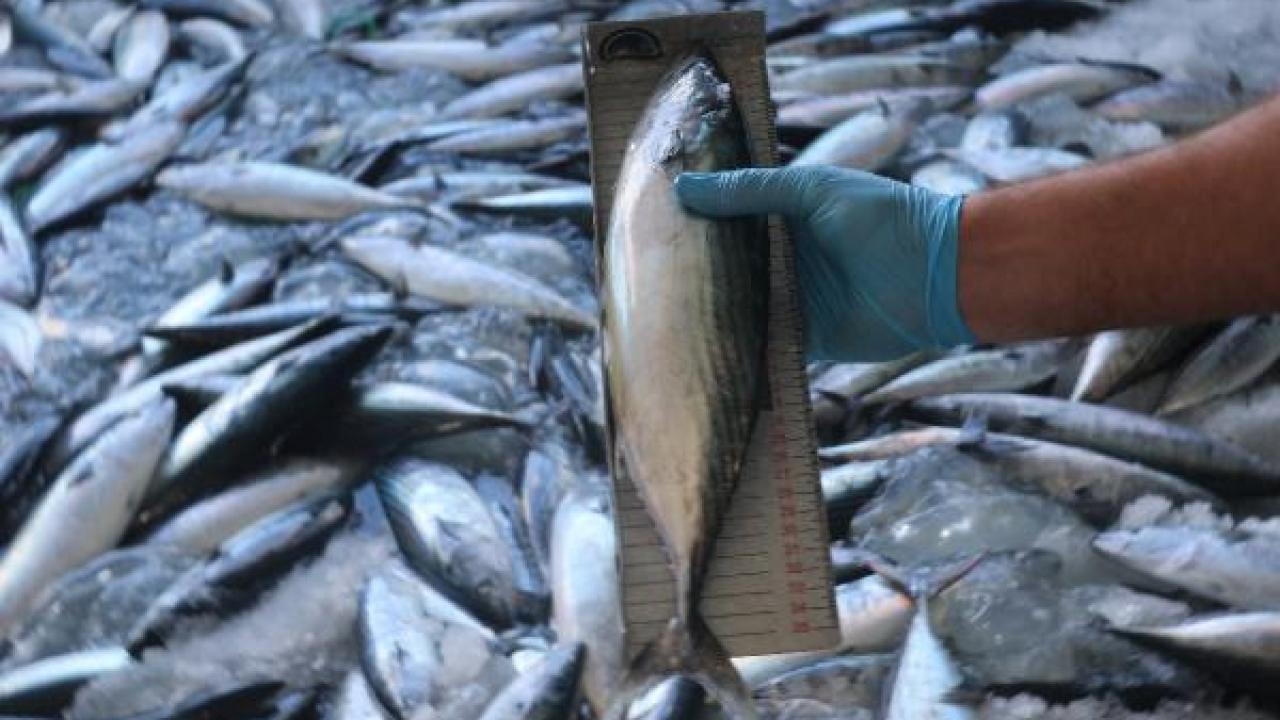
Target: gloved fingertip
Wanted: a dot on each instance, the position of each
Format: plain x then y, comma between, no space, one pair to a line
697,191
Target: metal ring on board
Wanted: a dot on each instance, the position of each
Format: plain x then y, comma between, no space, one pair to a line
631,43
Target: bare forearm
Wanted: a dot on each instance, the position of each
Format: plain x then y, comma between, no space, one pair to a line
1183,234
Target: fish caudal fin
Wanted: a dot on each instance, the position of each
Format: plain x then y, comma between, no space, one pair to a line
691,651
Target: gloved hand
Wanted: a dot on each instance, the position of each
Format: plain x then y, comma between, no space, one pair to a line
876,258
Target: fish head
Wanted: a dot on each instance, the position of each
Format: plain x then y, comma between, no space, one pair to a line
696,108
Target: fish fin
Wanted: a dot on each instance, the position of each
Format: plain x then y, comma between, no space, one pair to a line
849,407
916,585
1235,85
694,653
966,694
1145,70
974,431
540,346
400,286
939,584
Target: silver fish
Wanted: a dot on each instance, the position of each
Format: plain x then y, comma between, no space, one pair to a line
1080,81
874,616
1248,418
214,36
102,35
1118,357
456,279
685,352
400,411
847,487
25,156
243,422
235,359
869,72
532,595
205,525
994,131
483,13
826,111
184,101
949,178
100,172
835,388
274,191
1097,486
19,273
1180,104
95,604
1240,354
572,201
413,644
1220,466
513,136
90,99
925,674
62,47
17,79
244,12
243,566
547,477
538,255
1243,573
514,92
473,60
232,288
47,686
866,141
449,536
471,184
585,591
1011,368
97,495
546,692
141,46
1015,164
1246,642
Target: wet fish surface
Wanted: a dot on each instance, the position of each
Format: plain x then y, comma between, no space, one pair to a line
682,428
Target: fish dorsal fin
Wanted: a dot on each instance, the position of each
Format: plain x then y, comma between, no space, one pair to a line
974,431
1235,85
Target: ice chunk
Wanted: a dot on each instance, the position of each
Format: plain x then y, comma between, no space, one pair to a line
303,632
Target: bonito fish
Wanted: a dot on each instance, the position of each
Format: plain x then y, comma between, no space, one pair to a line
686,316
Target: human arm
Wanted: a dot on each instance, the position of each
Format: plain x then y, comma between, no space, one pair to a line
1182,234
1186,233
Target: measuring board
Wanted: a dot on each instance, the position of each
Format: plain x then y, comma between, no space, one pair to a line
768,588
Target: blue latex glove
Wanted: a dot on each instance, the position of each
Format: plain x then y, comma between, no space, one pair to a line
876,258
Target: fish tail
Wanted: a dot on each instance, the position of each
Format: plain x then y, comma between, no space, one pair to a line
686,649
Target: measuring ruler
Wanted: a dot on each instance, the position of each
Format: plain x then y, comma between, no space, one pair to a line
768,588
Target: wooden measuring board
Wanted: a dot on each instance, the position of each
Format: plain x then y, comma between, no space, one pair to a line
769,584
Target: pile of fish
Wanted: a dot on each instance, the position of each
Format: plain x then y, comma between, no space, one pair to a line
301,392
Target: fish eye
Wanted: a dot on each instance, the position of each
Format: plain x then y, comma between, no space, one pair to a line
630,43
